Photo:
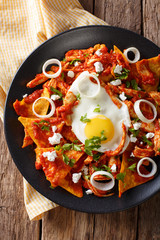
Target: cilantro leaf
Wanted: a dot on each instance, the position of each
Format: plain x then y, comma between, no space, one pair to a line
124,74
55,91
75,60
97,156
132,167
77,147
86,55
121,176
134,132
97,109
44,127
58,147
102,168
128,84
145,139
158,149
68,161
134,84
72,162
78,96
67,146
103,137
84,118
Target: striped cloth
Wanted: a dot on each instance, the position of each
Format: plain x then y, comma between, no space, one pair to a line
24,25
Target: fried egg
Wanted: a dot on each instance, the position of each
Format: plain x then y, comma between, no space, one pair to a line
96,105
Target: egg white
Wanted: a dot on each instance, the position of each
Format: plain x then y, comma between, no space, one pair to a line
108,109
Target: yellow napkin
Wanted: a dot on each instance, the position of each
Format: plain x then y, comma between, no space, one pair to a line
24,25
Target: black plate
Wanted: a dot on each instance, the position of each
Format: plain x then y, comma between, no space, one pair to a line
56,47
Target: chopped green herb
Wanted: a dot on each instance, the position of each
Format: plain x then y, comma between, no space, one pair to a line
54,90
97,156
132,167
102,168
139,95
77,147
72,162
86,55
68,161
134,132
62,75
97,109
134,84
84,118
51,187
64,60
78,96
75,60
124,74
145,139
93,143
58,147
158,149
75,141
43,121
67,146
130,159
128,96
136,120
44,127
128,84
121,176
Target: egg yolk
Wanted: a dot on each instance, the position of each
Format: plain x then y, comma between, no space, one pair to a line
97,125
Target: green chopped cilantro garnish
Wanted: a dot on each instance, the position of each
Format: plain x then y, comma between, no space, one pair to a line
42,125
124,74
86,55
84,118
76,147
130,159
97,109
64,60
145,139
121,176
128,84
136,120
68,161
75,60
134,84
68,146
132,167
97,156
158,149
78,96
55,91
93,143
134,132
102,168
62,75
58,147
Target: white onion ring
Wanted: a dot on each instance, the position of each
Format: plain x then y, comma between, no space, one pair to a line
140,114
154,167
135,51
102,186
126,144
52,61
82,77
47,115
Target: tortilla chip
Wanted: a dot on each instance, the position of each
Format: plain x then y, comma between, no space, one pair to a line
27,139
56,170
24,109
131,179
34,128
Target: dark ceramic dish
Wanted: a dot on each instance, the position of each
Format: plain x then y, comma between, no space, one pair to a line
24,159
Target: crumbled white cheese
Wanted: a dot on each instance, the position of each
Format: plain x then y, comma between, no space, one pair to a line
133,139
54,128
76,177
114,168
76,63
70,74
98,52
132,154
118,69
139,88
122,96
25,95
51,156
150,135
116,82
55,97
55,139
89,191
85,170
98,67
137,125
141,142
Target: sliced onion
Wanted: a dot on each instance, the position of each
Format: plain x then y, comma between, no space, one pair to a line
154,167
126,144
140,114
82,78
102,186
136,53
52,61
47,115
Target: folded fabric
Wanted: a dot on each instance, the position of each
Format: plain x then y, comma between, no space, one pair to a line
25,25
